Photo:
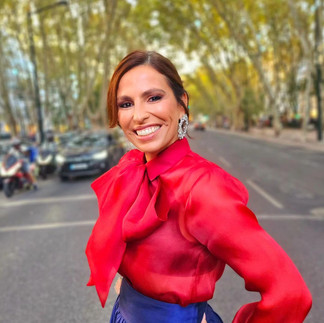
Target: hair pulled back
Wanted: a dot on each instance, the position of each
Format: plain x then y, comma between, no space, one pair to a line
136,58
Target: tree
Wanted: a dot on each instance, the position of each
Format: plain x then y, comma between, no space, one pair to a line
247,52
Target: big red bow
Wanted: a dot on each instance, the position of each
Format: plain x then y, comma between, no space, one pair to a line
130,207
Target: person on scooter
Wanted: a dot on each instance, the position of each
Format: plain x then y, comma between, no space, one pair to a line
23,153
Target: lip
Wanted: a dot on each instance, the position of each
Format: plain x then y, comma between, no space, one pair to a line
147,126
150,135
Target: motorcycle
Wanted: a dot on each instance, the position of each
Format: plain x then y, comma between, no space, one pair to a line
46,162
12,175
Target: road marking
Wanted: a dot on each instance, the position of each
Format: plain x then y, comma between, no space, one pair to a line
267,196
225,162
46,200
43,226
289,217
58,225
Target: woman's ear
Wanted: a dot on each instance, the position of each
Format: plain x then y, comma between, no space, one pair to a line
184,98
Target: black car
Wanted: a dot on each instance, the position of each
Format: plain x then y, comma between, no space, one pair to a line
88,154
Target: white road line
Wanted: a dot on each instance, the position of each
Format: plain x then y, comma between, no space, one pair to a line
267,196
46,226
289,217
47,200
225,162
58,225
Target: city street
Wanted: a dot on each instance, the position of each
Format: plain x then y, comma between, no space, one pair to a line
43,234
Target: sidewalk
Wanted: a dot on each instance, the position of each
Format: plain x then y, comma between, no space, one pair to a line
290,137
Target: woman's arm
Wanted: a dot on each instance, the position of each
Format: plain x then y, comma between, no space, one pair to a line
217,216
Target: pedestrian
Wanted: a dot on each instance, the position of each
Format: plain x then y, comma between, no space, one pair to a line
170,220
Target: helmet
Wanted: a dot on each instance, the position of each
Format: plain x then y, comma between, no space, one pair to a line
24,148
16,142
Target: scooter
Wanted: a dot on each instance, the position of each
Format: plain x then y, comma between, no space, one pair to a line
12,175
46,162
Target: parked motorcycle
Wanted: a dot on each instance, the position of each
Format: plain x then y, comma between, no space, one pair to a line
46,162
12,175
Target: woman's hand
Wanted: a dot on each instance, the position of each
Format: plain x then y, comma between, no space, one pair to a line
118,285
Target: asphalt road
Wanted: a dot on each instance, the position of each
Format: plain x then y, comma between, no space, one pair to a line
43,234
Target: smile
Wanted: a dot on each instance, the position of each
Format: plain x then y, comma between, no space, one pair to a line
147,131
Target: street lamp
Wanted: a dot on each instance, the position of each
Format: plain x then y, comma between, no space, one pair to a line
33,59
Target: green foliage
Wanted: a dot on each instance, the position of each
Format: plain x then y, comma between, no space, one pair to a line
246,51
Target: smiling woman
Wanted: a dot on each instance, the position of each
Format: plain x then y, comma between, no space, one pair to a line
169,220
148,111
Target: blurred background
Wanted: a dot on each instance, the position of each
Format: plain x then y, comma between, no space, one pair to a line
254,74
244,63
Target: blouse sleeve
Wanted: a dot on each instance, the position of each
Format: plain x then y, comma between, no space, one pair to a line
217,216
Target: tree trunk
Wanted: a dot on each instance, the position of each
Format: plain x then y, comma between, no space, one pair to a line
4,91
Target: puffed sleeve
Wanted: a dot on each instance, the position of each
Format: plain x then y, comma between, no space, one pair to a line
217,216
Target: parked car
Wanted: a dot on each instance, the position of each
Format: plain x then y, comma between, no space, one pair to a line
63,139
87,154
199,126
5,136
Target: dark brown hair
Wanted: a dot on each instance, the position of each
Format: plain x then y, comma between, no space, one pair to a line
137,58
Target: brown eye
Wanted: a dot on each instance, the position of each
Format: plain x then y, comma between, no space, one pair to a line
155,98
125,105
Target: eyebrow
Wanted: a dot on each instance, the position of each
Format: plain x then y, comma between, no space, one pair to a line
148,92
144,94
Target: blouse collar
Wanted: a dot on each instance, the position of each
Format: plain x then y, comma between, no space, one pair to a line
167,158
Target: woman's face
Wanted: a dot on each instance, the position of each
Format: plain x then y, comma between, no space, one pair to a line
148,111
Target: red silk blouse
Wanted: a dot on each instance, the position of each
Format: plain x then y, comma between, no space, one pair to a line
170,225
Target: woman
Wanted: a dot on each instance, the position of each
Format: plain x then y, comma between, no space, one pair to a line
170,220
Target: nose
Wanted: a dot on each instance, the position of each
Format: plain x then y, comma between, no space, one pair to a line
140,113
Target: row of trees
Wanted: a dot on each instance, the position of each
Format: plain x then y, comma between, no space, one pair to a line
238,58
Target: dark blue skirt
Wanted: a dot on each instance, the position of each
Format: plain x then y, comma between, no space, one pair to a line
134,307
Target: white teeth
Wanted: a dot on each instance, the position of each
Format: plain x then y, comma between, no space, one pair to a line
147,131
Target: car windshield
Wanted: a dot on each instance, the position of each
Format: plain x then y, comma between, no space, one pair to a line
89,141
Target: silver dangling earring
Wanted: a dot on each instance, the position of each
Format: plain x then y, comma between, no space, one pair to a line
183,126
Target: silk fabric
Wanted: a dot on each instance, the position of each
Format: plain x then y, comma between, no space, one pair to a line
170,225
